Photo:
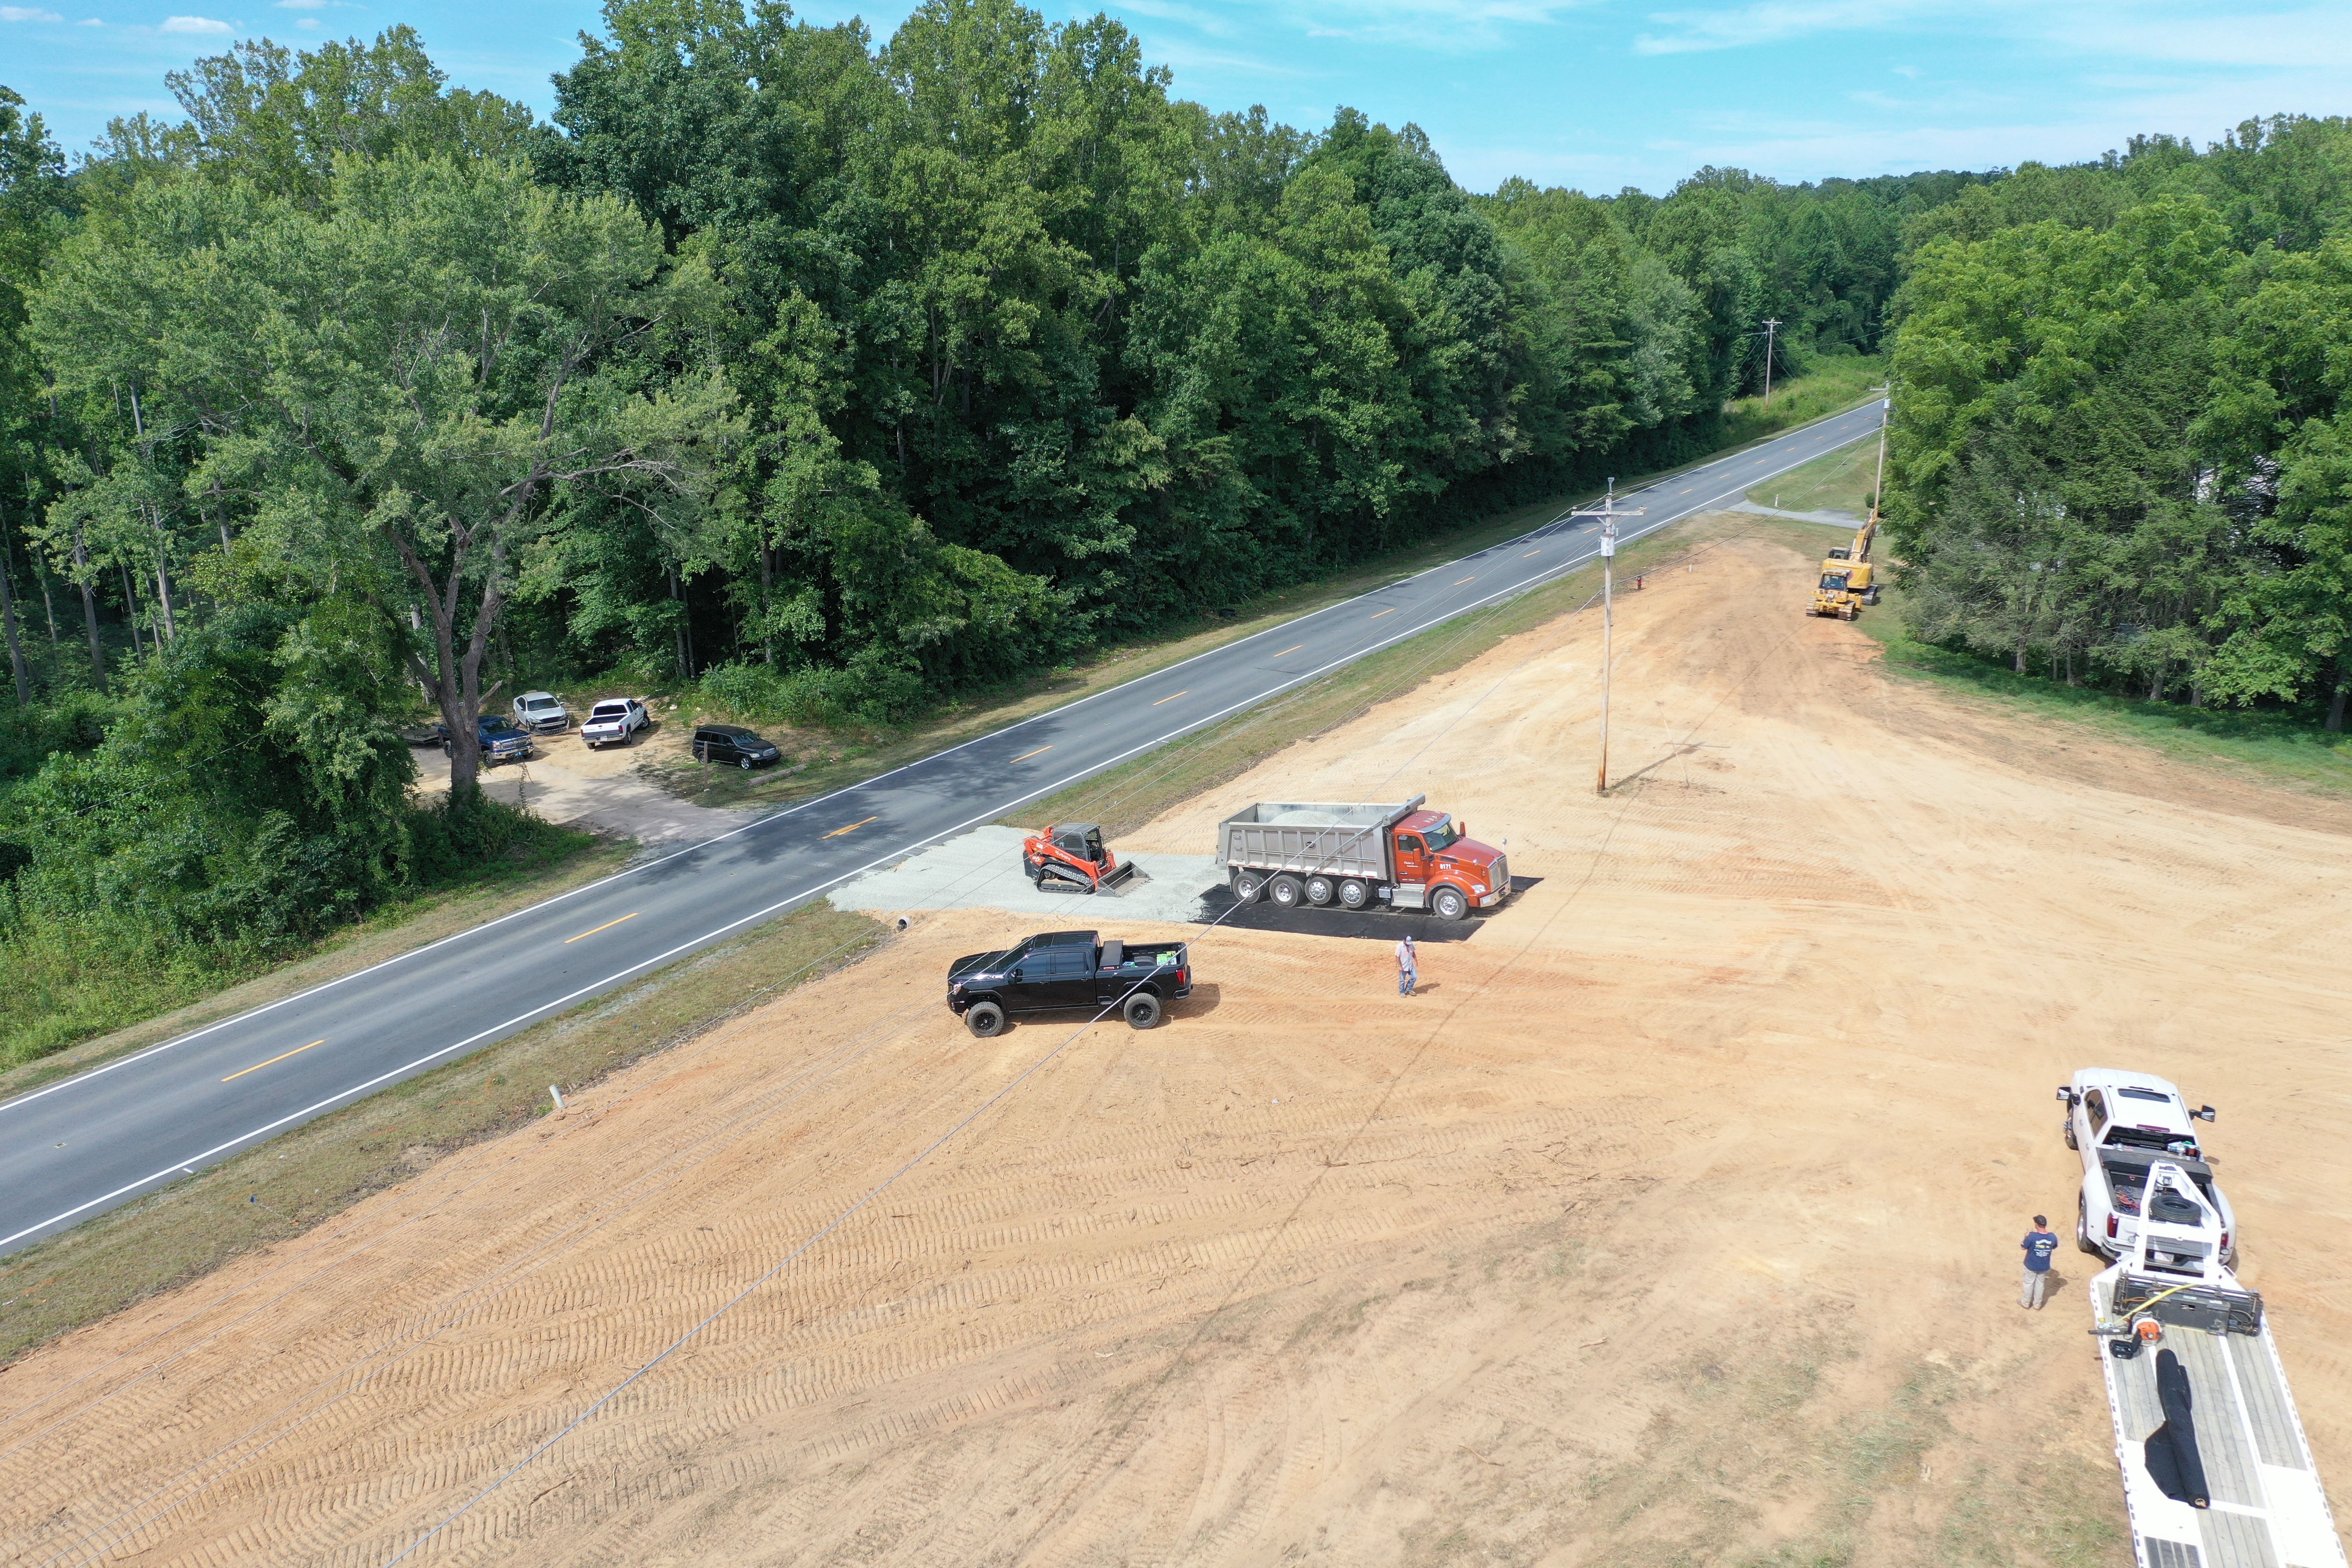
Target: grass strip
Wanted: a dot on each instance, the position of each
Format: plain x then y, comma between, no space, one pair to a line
300,1181
2290,749
1126,797
385,933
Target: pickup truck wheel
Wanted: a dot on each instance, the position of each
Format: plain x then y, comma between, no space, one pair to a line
2083,1242
1354,895
984,1019
1449,903
1142,1010
2066,1130
1285,891
1320,890
1248,886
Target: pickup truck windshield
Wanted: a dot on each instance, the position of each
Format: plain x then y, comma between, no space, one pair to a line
1443,836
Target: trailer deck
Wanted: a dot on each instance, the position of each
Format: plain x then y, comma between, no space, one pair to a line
2217,1471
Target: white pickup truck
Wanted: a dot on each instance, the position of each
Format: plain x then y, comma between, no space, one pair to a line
2121,1123
611,721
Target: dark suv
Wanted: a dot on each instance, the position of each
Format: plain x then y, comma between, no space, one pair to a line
732,744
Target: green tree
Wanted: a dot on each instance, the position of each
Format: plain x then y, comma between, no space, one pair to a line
409,383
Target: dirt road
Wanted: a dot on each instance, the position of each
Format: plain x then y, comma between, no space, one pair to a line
1676,1221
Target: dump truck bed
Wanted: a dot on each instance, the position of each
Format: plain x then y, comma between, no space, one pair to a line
1335,839
2268,1508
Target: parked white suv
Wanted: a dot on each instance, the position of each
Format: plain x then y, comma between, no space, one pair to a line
2122,1123
611,721
542,712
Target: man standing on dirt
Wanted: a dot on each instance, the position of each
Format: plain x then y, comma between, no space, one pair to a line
1408,966
2038,1243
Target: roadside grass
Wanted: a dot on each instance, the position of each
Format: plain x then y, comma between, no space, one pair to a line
1841,481
388,932
1132,794
2287,748
1836,382
298,1182
62,998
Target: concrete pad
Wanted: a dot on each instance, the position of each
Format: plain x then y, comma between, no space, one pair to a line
983,868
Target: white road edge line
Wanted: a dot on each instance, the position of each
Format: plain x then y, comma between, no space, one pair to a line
1528,585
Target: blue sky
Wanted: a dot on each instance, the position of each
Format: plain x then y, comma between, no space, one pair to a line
1596,94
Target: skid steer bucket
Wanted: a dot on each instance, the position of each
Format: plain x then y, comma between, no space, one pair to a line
1073,855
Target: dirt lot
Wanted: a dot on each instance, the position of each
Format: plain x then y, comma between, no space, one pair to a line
1674,1222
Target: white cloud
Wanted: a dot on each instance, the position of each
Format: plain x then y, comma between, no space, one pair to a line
1767,21
301,5
90,22
24,13
307,24
204,25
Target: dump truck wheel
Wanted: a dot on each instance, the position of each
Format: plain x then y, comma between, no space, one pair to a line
1449,903
1285,891
1142,1010
984,1019
1246,887
1354,895
1319,891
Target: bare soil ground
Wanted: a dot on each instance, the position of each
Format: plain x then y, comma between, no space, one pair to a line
1674,1222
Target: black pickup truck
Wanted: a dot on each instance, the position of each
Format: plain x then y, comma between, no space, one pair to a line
1068,968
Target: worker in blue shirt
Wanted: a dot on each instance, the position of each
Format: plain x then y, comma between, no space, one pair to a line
2038,1243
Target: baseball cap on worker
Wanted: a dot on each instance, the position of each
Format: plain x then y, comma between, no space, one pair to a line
2039,1220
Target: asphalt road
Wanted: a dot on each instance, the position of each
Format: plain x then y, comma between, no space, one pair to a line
87,1143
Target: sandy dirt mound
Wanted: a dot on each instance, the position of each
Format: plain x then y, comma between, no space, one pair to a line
1674,1222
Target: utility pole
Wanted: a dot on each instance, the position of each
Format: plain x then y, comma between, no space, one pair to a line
1771,330
1878,491
1608,514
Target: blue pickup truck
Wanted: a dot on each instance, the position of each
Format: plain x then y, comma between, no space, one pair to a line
503,741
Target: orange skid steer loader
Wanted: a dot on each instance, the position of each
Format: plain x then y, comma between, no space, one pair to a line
1073,855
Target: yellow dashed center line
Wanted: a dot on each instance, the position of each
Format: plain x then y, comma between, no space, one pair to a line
271,1062
851,828
1390,611
608,925
1023,758
1531,552
1294,647
1186,691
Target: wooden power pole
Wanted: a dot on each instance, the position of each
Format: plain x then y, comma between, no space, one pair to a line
1771,331
1608,514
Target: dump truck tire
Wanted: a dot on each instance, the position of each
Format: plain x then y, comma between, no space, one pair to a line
1449,903
1142,1010
984,1019
1285,891
1354,895
1248,887
1320,890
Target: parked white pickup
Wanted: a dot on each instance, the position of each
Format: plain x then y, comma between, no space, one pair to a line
611,721
2121,1123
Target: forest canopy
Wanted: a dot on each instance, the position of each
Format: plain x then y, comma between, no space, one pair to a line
857,373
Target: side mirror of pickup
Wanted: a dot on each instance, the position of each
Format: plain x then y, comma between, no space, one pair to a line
2204,1113
1014,977
2066,1094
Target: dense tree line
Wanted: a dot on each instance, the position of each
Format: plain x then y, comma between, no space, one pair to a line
2123,446
839,374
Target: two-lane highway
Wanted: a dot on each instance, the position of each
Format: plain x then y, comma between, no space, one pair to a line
88,1143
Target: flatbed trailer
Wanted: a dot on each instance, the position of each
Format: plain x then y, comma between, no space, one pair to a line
2217,1471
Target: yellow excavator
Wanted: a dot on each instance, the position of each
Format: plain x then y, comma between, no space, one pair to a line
1847,580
